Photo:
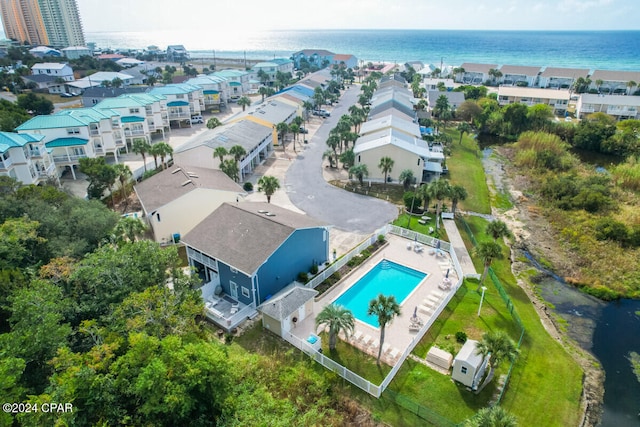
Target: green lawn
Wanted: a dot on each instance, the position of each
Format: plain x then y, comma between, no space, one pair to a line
411,222
546,383
465,169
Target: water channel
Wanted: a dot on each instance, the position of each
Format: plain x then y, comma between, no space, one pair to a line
608,330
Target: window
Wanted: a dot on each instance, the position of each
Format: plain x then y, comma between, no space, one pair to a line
158,217
418,161
180,96
73,131
134,110
463,369
245,292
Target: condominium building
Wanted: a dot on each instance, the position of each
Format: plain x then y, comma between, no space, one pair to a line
42,22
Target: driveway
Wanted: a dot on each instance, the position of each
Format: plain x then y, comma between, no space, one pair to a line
309,192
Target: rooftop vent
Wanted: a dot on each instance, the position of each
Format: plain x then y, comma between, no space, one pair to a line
262,211
176,171
186,182
270,214
192,175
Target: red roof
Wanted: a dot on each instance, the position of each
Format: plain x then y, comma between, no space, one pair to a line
111,56
342,57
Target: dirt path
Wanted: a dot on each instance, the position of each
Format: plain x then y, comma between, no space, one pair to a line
534,234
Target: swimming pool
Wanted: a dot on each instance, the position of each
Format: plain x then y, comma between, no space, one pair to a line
386,277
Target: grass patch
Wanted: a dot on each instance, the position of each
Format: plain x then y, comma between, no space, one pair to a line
411,222
390,192
544,367
465,169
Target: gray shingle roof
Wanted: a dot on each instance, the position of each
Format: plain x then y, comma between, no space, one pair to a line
166,186
287,301
246,133
242,237
565,72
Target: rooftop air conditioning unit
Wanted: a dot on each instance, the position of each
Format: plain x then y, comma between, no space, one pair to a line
176,171
186,182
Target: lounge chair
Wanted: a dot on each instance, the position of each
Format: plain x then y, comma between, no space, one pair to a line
422,221
425,309
386,347
366,340
394,353
357,336
409,246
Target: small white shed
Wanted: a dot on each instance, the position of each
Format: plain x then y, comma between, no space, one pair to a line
289,306
467,365
440,358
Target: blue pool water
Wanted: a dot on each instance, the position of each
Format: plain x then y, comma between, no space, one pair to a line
386,277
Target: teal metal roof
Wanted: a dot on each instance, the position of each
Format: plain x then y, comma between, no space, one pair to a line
235,84
119,102
202,81
52,122
131,119
66,142
177,103
229,73
173,89
12,140
211,92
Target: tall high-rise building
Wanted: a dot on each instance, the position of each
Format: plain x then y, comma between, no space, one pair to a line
53,23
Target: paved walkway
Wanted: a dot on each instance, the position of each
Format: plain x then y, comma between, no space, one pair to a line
458,246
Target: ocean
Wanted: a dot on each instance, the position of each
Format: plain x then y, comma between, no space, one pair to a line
607,50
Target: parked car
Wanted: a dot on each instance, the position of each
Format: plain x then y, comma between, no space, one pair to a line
321,113
67,95
196,120
303,130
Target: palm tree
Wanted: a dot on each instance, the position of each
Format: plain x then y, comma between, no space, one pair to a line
487,252
457,70
264,91
282,128
386,308
308,106
494,74
268,185
213,123
338,319
328,155
463,128
458,192
333,141
295,130
406,178
237,152
123,174
263,77
630,85
498,229
230,168
494,416
155,152
499,345
244,102
162,150
129,228
360,172
386,165
142,147
220,152
599,83
439,190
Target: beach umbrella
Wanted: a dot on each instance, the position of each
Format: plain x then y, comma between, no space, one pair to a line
415,311
447,275
438,244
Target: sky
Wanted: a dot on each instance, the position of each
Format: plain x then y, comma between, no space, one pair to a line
251,15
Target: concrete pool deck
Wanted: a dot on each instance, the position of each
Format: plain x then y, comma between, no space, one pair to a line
398,336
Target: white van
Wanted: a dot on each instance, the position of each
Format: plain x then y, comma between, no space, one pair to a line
196,120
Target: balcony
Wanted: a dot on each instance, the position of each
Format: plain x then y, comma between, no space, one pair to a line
94,132
68,158
135,132
622,111
587,109
46,173
179,115
4,164
35,152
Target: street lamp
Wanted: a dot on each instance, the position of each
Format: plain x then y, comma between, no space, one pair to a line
484,288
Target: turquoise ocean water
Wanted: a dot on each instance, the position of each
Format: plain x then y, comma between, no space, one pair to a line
609,50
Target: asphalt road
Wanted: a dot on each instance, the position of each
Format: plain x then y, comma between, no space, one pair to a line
309,192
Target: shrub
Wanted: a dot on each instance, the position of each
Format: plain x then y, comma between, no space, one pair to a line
461,337
228,338
609,229
247,186
314,269
381,238
411,199
303,277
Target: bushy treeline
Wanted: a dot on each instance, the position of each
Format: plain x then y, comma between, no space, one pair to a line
87,318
